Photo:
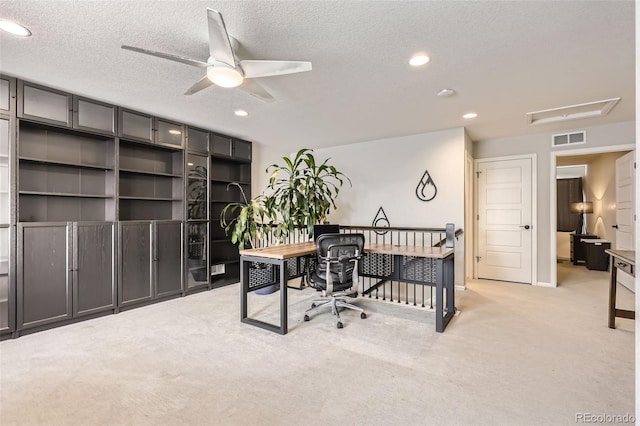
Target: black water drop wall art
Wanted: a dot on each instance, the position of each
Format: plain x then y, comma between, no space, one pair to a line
426,189
381,220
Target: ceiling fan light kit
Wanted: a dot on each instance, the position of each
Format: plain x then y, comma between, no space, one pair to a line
224,75
223,67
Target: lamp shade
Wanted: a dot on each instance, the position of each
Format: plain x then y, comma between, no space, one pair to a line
583,207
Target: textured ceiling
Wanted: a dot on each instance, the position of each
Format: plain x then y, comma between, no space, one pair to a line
504,59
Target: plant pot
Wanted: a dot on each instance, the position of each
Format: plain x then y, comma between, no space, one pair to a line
269,289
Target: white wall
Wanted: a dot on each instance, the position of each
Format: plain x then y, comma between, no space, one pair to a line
385,173
540,144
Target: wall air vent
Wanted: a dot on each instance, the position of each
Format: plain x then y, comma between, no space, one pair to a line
565,139
572,112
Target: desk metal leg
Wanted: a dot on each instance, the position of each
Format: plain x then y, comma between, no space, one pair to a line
244,288
612,296
282,328
284,288
451,288
444,279
439,296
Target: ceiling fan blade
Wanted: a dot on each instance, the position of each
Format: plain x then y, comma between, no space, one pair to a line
219,44
203,83
253,69
181,59
256,90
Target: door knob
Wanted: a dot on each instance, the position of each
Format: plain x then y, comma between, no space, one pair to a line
614,226
525,226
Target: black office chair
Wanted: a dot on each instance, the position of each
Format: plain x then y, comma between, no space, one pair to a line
336,273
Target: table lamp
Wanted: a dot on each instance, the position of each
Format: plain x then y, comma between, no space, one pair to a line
583,208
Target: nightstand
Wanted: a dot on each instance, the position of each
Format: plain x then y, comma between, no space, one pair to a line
596,258
578,252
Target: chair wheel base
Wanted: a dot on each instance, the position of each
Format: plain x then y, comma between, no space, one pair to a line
340,324
306,318
363,315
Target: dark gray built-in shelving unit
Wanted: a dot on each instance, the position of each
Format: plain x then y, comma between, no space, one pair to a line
197,208
7,231
103,208
230,162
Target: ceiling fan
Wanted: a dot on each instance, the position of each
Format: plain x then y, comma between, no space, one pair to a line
223,67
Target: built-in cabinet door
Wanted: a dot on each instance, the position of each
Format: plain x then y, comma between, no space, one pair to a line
221,145
5,171
94,116
135,126
7,94
7,289
44,278
94,284
6,302
168,259
197,248
135,276
44,104
242,150
198,140
168,133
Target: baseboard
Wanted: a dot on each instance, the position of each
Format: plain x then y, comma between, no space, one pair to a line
462,287
542,284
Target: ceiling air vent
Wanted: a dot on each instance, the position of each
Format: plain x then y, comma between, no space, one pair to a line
565,139
572,112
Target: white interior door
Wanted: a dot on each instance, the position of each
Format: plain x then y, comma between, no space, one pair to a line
625,210
504,220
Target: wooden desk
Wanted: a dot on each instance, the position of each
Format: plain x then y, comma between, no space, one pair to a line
625,260
408,266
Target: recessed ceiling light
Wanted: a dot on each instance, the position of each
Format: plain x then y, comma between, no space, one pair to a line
241,113
470,115
445,93
419,59
14,28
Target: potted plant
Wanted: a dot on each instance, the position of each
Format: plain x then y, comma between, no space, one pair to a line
244,220
303,192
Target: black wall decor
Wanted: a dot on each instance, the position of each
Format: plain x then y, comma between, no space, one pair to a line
426,189
381,220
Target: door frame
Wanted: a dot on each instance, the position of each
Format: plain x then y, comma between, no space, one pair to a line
534,210
553,221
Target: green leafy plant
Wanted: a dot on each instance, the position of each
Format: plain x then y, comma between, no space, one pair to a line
303,192
244,220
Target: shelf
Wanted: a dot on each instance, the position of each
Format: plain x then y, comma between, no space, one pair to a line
222,157
196,178
126,197
125,140
145,172
64,163
225,240
227,201
224,262
64,194
241,182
